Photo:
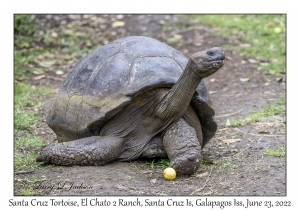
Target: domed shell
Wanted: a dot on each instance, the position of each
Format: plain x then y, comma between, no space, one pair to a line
106,79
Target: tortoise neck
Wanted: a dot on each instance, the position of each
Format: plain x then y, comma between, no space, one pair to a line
176,101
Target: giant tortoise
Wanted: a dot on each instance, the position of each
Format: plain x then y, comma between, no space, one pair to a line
135,97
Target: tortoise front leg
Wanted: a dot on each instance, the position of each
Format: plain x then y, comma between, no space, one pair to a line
95,150
183,147
154,148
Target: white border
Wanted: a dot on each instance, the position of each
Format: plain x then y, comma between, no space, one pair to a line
8,8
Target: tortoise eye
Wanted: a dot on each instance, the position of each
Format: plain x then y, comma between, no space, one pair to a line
210,53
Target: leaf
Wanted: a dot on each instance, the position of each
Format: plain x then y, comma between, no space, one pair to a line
47,64
162,22
264,132
145,171
53,34
153,181
230,141
68,32
38,71
202,175
264,64
59,72
177,36
212,92
245,45
252,60
174,40
24,44
49,55
118,24
272,71
39,77
223,129
245,79
277,30
228,122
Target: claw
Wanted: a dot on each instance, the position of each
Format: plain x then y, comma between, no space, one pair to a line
45,154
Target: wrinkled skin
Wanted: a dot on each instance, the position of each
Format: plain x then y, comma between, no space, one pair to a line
183,147
158,114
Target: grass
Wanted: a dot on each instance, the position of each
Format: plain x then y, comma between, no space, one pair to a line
226,164
25,28
38,48
28,99
264,35
28,192
28,187
27,102
163,163
276,153
25,162
27,142
271,110
205,164
162,193
219,166
173,182
24,54
156,163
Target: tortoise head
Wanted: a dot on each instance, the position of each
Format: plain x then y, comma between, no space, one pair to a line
207,62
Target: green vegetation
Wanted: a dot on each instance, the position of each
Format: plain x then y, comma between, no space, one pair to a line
226,164
25,162
28,99
38,48
28,192
27,102
271,110
173,182
162,193
25,29
24,54
27,142
28,186
276,153
156,163
163,163
262,37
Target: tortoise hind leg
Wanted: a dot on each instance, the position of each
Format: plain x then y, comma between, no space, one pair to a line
183,147
94,150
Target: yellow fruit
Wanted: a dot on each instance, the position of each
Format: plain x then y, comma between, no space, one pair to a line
169,173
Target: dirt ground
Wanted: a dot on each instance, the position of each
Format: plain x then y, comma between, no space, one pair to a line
235,162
